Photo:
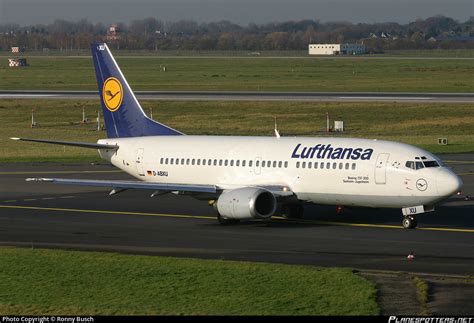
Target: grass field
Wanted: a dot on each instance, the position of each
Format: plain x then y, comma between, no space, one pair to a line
48,282
250,74
417,124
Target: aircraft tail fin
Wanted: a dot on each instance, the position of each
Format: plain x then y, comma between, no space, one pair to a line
123,115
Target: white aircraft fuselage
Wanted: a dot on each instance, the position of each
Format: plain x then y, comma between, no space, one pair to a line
321,174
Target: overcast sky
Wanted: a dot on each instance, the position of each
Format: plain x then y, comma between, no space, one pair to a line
242,12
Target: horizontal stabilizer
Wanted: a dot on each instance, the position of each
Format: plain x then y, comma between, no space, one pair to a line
130,185
70,143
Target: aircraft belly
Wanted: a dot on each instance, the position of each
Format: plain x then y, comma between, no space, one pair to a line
367,200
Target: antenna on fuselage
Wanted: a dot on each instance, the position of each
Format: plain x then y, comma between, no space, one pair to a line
277,134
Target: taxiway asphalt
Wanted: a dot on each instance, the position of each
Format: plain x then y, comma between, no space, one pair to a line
48,215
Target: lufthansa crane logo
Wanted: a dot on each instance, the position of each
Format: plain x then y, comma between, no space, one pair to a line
112,94
421,184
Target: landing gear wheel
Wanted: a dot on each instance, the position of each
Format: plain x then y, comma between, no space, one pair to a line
223,221
292,211
409,222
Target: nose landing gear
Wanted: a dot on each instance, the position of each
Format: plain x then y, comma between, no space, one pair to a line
409,222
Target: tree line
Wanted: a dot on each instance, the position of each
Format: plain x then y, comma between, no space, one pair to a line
153,34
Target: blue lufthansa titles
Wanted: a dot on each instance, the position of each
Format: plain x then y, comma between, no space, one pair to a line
320,151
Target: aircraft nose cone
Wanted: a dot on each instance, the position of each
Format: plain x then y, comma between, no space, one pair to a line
448,183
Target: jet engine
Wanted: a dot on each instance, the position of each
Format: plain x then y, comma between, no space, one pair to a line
246,203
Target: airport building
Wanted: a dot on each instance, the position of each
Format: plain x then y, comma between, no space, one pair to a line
336,49
113,33
17,61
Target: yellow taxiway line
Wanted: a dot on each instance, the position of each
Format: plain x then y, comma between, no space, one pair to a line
344,224
104,212
212,218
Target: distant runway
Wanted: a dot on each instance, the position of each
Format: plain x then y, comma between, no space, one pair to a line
38,215
256,96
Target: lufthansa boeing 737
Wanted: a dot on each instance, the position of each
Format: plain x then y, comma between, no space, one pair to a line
248,178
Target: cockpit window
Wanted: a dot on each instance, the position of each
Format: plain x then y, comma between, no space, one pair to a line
417,164
431,163
422,162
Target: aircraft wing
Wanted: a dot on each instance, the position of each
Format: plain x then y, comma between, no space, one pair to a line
69,143
279,191
123,185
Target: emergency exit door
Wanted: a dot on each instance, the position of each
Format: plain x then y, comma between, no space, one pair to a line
139,162
258,166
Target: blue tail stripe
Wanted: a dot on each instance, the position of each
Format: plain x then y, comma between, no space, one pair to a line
123,115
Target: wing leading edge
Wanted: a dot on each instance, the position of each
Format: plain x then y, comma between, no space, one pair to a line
130,185
279,191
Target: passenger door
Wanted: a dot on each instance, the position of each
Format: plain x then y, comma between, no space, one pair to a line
381,169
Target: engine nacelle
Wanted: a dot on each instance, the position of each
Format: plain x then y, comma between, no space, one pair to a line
246,203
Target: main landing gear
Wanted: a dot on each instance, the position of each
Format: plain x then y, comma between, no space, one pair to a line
292,211
409,222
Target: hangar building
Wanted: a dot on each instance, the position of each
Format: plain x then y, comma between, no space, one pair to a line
336,49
